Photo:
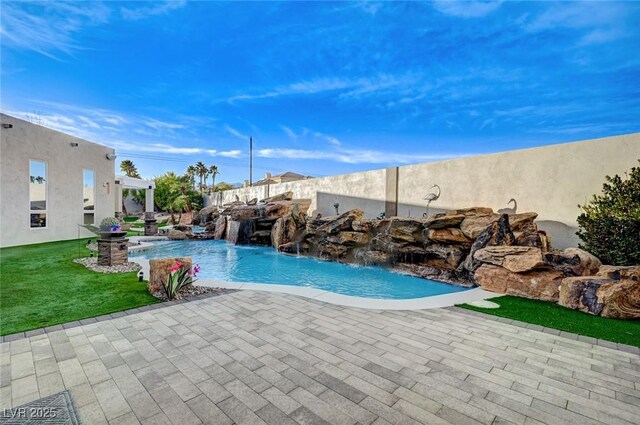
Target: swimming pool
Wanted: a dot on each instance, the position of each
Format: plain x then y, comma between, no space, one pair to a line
221,261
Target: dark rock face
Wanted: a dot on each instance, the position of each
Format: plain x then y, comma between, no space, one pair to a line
240,232
220,230
614,292
498,233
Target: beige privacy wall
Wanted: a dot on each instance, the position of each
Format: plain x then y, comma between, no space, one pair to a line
550,180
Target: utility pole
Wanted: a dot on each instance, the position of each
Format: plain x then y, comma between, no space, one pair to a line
250,161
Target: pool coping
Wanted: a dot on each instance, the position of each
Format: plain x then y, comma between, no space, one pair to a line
423,303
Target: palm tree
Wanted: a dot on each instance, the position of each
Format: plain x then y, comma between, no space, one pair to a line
201,170
191,175
214,171
129,169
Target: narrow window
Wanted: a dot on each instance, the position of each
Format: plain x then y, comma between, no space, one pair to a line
38,194
88,196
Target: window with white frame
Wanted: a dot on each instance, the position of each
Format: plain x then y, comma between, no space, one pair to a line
88,196
37,194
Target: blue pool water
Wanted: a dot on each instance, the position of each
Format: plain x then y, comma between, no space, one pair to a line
221,261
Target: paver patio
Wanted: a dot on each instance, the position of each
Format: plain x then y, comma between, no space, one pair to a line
256,357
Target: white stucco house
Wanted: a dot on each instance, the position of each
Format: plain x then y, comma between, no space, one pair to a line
51,183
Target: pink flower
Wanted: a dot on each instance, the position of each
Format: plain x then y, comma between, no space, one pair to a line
196,270
175,267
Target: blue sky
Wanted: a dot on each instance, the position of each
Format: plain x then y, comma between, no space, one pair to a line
323,88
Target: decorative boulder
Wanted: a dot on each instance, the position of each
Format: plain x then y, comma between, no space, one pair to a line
537,284
221,227
517,259
472,226
159,270
404,229
279,209
573,262
471,211
209,213
448,236
331,251
451,255
441,221
338,223
364,225
177,235
498,233
379,258
350,238
253,201
602,296
620,272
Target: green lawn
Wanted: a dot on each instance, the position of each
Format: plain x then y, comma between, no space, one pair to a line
40,286
551,315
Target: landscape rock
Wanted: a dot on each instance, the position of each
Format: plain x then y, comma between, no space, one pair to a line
209,213
448,236
350,238
536,284
331,251
472,226
405,229
253,201
159,270
620,272
451,255
574,262
471,211
377,258
177,235
602,296
517,259
286,196
338,223
441,221
221,227
428,272
364,225
279,209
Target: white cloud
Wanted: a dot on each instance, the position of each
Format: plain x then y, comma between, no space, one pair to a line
156,8
289,132
235,132
162,125
48,27
354,156
165,148
466,9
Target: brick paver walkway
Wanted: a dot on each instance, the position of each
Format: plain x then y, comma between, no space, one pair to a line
253,357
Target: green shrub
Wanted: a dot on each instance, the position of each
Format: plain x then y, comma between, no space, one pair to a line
610,223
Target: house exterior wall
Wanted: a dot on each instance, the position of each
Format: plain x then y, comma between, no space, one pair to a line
65,191
550,180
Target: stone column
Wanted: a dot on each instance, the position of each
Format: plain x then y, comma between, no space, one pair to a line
113,249
118,197
150,222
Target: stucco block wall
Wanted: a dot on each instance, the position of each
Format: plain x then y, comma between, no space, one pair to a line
65,165
550,180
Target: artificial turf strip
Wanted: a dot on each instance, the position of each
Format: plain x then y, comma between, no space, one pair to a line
41,286
553,316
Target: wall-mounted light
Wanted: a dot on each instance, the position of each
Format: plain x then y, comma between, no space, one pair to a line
111,156
73,144
7,125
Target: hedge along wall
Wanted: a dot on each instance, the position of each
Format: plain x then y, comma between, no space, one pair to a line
550,180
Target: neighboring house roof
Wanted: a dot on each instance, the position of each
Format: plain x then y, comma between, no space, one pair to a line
279,178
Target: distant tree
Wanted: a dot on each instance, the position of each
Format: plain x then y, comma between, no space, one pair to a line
201,170
213,170
223,186
191,175
610,223
175,194
130,170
